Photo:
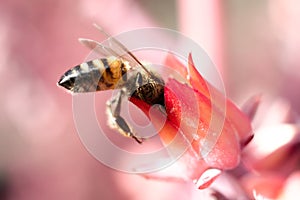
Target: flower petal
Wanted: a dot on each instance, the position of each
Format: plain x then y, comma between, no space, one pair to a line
190,111
236,117
175,64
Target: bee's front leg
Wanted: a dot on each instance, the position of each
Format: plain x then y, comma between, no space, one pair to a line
115,120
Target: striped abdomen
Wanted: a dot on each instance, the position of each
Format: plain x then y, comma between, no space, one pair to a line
95,75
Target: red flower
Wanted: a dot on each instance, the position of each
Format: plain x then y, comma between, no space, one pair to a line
190,111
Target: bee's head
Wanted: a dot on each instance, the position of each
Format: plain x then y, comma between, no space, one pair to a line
68,80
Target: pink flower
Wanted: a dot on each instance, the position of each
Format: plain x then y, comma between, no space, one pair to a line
184,114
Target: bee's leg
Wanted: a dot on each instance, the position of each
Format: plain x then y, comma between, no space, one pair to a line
118,122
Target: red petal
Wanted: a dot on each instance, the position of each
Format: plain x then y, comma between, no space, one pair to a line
191,112
236,117
207,178
168,127
175,64
196,80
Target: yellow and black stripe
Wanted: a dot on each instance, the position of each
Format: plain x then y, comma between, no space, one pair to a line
95,75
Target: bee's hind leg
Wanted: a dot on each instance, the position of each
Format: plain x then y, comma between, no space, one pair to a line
116,120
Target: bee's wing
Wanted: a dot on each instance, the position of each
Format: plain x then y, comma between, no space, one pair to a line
98,48
115,48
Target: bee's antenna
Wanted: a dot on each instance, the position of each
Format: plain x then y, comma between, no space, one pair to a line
120,45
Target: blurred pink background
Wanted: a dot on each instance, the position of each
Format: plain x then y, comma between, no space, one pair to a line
255,44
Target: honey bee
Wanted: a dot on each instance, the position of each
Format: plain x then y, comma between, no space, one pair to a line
120,69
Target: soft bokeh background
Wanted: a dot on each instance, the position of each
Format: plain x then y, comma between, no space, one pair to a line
255,44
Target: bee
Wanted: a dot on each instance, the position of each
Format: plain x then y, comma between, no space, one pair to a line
119,69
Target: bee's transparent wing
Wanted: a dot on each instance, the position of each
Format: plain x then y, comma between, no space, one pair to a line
98,48
115,48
